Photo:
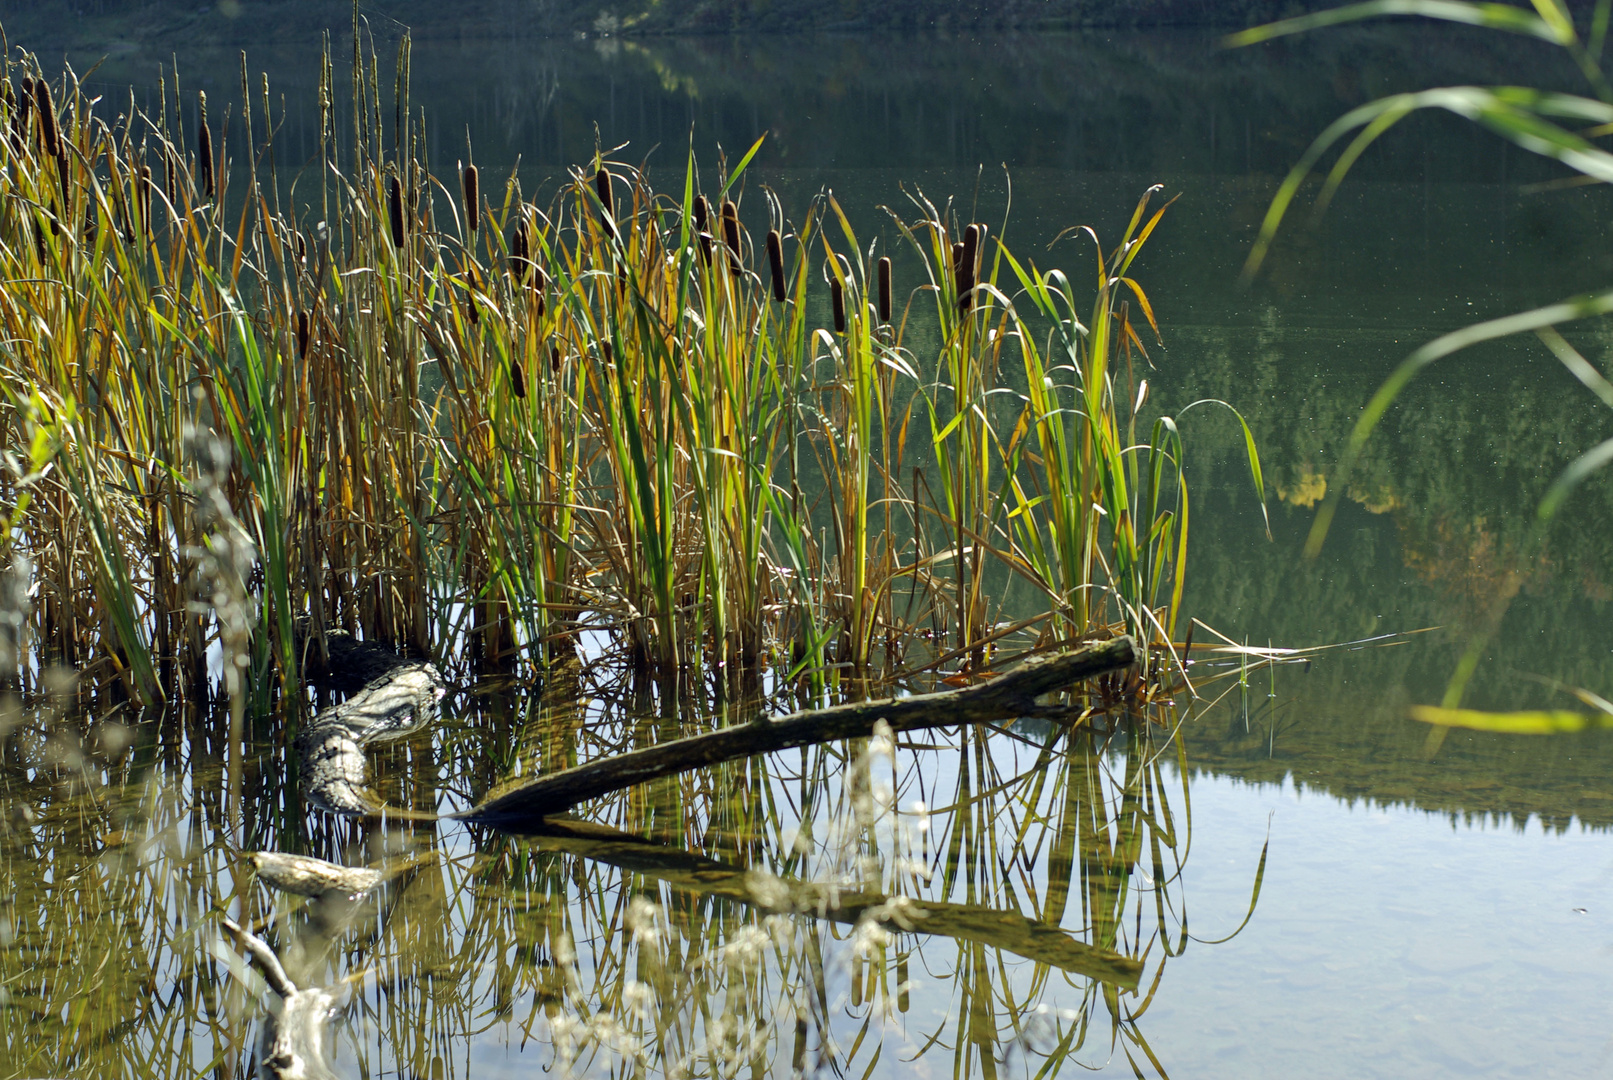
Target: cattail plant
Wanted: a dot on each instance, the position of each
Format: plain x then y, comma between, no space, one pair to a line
143,199
170,174
607,206
884,285
469,182
702,226
519,262
654,467
49,135
204,147
969,266
22,115
395,209
775,263
730,234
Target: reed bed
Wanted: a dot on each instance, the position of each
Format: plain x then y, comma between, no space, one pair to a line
452,418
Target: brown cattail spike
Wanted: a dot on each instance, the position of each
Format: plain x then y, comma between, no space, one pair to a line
702,225
302,248
472,198
517,378
520,246
837,304
554,357
968,261
730,233
395,209
49,136
143,198
302,335
24,116
885,289
204,149
775,263
602,184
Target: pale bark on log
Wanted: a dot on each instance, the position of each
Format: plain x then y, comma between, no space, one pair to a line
1005,697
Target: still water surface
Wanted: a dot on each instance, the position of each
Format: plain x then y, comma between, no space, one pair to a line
1420,912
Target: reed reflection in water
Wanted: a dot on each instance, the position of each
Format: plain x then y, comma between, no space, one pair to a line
985,899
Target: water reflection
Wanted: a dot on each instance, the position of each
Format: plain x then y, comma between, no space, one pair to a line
998,897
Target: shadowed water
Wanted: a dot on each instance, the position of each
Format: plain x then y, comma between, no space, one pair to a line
1418,914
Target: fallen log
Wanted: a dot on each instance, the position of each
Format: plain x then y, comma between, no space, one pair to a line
1005,697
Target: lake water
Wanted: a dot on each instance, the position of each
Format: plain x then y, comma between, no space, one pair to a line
1398,908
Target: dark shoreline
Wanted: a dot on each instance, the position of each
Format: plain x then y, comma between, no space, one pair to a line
78,24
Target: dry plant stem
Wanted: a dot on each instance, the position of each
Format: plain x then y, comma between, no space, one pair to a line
1002,698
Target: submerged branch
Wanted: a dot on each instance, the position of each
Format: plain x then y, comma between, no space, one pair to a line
1002,698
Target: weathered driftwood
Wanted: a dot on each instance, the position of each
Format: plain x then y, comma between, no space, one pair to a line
999,929
1003,698
307,876
398,697
296,1043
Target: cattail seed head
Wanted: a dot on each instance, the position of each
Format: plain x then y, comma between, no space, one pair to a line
49,136
92,224
302,335
775,263
967,266
837,304
730,233
517,378
22,119
702,225
302,248
395,210
143,198
885,289
960,277
204,150
602,184
520,248
473,205
554,358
